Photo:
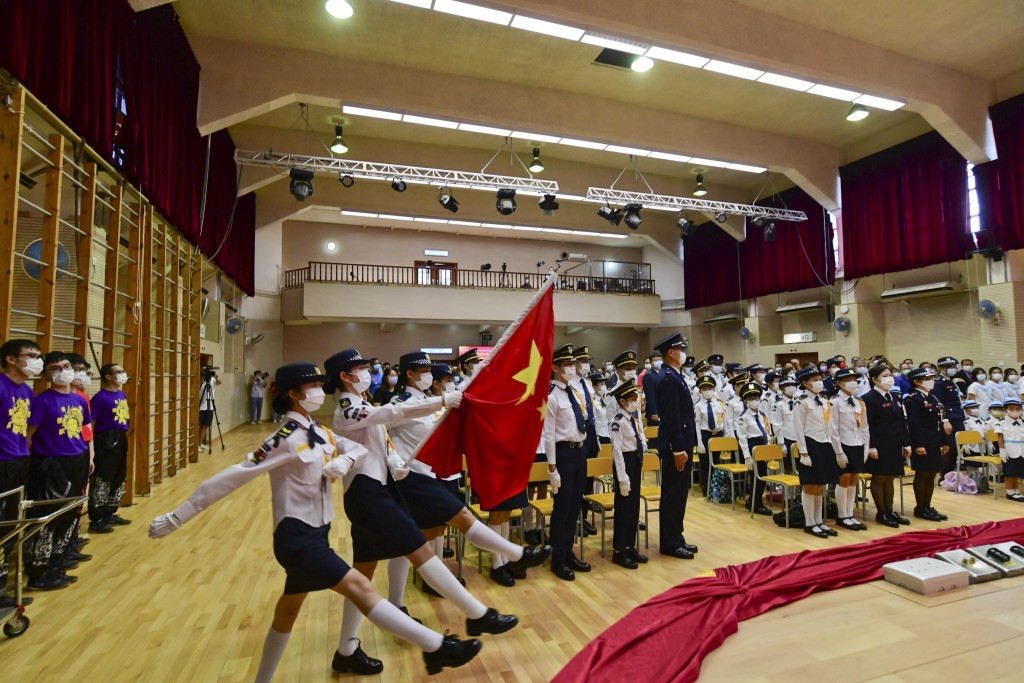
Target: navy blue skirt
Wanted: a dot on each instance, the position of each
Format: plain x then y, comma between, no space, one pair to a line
430,502
823,470
453,486
1013,467
307,557
382,527
855,455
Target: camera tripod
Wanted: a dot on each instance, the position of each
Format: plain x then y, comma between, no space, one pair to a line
503,280
204,392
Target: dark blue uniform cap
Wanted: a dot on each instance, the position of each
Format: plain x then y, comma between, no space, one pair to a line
342,361
716,359
595,377
1011,402
807,373
625,389
440,371
673,341
414,361
562,354
296,374
919,373
846,373
625,358
946,360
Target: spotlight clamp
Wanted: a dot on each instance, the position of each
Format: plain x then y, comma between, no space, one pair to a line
671,202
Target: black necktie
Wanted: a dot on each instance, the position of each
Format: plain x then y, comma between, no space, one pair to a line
817,400
711,418
590,403
850,400
576,409
791,403
632,421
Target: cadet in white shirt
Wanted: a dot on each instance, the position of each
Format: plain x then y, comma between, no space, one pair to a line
752,430
602,403
734,404
302,459
1011,447
628,446
592,447
817,466
712,417
850,440
974,423
783,412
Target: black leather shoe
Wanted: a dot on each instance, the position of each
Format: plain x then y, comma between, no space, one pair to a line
79,543
886,519
78,557
942,517
927,513
641,526
406,611
849,523
899,518
762,510
688,546
624,560
452,654
828,531
69,577
637,557
575,564
117,520
67,564
7,601
492,622
531,558
678,553
357,663
814,531
447,553
563,572
49,581
100,527
588,529
503,576
533,537
517,572
426,588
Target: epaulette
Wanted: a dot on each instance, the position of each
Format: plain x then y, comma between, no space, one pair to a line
404,396
286,430
551,387
618,416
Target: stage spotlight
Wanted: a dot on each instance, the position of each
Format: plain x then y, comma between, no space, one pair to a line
398,185
338,146
720,217
540,264
613,216
700,190
485,267
446,199
685,224
769,231
548,204
506,203
632,216
346,180
757,221
536,166
857,113
301,185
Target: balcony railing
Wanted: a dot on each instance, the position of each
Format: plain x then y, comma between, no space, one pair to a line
361,273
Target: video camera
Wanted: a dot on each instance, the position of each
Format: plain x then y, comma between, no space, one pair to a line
208,372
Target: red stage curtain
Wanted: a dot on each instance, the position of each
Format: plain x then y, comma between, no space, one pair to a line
1000,183
710,267
667,638
799,251
904,207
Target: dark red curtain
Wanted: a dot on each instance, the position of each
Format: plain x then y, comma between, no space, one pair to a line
710,267
667,638
904,207
1000,183
801,257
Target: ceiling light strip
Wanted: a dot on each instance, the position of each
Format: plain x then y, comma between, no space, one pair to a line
671,202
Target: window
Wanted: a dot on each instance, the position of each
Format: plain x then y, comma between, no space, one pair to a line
974,209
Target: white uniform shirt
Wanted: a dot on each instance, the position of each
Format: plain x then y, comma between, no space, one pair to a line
298,487
997,391
560,420
1013,436
850,417
733,408
749,425
602,414
976,424
364,423
813,420
720,412
624,440
783,415
585,395
408,435
977,393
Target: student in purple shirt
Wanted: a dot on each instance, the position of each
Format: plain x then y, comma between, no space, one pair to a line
21,360
110,416
60,463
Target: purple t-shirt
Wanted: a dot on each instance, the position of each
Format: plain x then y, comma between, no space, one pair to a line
109,411
58,419
15,405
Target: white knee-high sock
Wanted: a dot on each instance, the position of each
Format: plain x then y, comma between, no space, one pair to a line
439,546
351,619
273,648
493,539
807,501
390,618
506,533
851,500
818,514
398,574
841,493
445,583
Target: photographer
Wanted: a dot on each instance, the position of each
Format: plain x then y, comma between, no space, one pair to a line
257,387
206,404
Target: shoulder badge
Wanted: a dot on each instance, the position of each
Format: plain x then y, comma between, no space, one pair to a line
345,402
615,426
404,396
256,457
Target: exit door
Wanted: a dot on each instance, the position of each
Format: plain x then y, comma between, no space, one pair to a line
435,273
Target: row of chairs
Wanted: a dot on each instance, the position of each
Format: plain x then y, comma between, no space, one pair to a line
992,463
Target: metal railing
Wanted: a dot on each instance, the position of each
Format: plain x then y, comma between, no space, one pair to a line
361,273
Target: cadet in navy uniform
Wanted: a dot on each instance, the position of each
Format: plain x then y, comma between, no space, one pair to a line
677,437
850,439
832,366
565,436
817,466
951,397
382,527
753,430
888,444
467,362
592,447
628,448
302,459
927,439
648,384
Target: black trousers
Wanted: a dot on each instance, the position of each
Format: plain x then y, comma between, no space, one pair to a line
705,460
762,470
949,460
12,475
592,447
572,468
106,485
52,478
675,490
627,508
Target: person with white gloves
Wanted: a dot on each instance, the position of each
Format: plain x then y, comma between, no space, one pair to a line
382,527
1011,447
753,430
302,458
817,466
628,446
850,441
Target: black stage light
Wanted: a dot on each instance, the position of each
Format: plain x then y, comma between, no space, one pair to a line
506,203
769,231
346,180
446,199
548,204
632,216
685,225
398,185
301,185
613,216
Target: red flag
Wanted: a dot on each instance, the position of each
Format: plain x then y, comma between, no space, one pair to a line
501,418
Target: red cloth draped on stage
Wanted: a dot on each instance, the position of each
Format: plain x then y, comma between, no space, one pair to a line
904,207
710,267
1000,183
667,638
801,257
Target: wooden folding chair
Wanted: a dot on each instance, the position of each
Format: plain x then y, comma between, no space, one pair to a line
992,463
773,455
727,448
544,506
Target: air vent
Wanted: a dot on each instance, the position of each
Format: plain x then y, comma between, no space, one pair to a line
615,58
717,319
672,304
931,289
800,308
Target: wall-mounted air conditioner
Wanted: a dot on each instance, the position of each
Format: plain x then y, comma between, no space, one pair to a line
931,289
672,304
727,318
801,308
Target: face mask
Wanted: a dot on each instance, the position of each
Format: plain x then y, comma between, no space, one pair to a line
950,371
997,413
717,369
996,376
778,368
448,386
817,385
63,378
887,383
376,368
632,406
629,374
647,366
862,370
968,368
789,391
121,378
823,368
759,377
362,382
850,387
424,381
471,369
682,357
81,378
1014,415
982,376
708,394
754,403
775,387
393,380
928,384
833,371
657,364
601,388
1012,379
973,412
314,399
584,368
34,367
609,368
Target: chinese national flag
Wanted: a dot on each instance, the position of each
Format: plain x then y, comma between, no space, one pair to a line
501,418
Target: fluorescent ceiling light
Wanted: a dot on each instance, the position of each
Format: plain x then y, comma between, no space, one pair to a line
834,93
430,220
585,233
614,236
548,28
746,168
614,43
736,70
439,350
879,102
464,9
527,228
669,157
393,217
785,81
488,130
424,4
586,144
496,226
470,224
360,214
558,230
535,137
627,150
427,121
697,161
375,113
676,57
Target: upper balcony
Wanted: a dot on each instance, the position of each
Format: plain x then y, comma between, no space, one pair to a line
434,293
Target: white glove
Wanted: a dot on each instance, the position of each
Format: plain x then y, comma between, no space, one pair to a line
1003,456
165,525
624,487
842,460
556,481
749,462
805,460
399,470
453,400
780,440
700,449
337,468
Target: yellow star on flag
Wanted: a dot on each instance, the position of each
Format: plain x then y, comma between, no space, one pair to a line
543,410
528,375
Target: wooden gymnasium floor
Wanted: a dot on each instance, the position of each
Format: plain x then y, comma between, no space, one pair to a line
196,606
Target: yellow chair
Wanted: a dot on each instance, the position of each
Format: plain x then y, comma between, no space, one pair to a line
483,516
992,463
651,434
650,494
727,448
773,455
606,478
544,506
601,503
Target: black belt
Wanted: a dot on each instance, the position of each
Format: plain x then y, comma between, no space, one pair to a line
636,452
570,444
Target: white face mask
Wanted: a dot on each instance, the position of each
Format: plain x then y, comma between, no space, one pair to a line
928,384
632,406
759,377
887,383
1013,416
647,366
717,369
1012,379
775,387
982,376
682,357
754,403
609,368
996,376
862,369
63,378
968,368
708,394
950,371
629,374
850,387
569,373
817,385
34,367
973,412
82,378
789,391
424,381
584,369
448,386
121,378
314,399
362,382
657,364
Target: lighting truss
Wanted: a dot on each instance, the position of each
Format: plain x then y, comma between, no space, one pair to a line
388,172
670,202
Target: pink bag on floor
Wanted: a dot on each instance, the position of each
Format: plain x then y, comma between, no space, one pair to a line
967,485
